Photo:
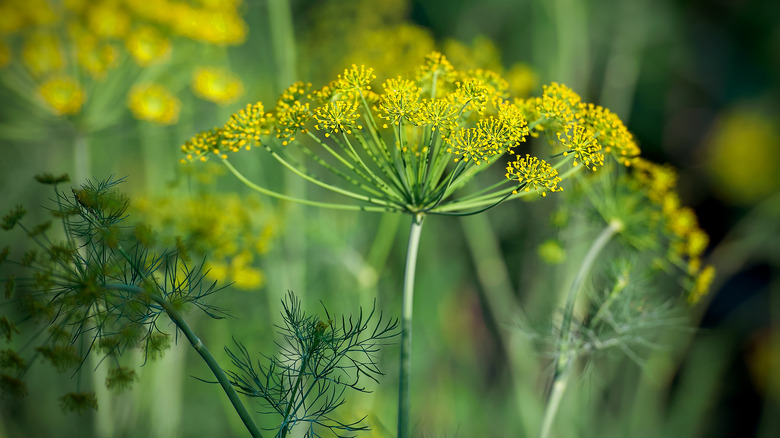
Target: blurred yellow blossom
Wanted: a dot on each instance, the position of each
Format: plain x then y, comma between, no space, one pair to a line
11,18
147,45
744,155
154,103
108,19
232,230
522,80
64,95
217,85
42,53
96,58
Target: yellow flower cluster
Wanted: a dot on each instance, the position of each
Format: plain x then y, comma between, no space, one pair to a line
534,173
688,240
234,231
587,131
90,35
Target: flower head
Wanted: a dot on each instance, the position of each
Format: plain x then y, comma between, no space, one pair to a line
400,100
147,45
42,53
63,94
580,142
335,117
216,84
533,173
154,103
246,127
356,79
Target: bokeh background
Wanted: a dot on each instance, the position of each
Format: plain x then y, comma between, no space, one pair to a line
114,87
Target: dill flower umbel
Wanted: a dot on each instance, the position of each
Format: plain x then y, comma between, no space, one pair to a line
412,146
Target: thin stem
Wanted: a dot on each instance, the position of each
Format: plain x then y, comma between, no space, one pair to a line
197,344
406,326
565,359
265,191
601,241
559,387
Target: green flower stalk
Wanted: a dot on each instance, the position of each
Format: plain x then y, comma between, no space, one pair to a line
419,147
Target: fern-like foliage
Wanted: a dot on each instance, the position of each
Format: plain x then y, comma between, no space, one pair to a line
317,362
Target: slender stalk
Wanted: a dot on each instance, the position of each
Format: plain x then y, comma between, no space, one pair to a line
198,345
566,356
556,395
406,326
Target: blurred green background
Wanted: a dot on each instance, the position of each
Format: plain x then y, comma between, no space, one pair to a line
697,82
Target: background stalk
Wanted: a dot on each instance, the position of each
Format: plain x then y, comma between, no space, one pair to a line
406,326
565,358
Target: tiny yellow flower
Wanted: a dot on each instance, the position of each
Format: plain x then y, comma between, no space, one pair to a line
216,85
581,143
435,66
440,114
400,101
147,45
533,173
356,79
63,94
559,103
154,103
335,117
199,146
469,144
246,127
472,92
291,119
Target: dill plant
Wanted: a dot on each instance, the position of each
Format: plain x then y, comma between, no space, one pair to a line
103,287
422,146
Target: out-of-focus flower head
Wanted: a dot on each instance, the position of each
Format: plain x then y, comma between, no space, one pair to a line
743,154
85,40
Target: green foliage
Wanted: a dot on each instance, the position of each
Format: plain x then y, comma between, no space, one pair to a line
318,361
100,288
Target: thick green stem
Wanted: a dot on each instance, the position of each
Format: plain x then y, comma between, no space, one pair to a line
406,326
566,355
